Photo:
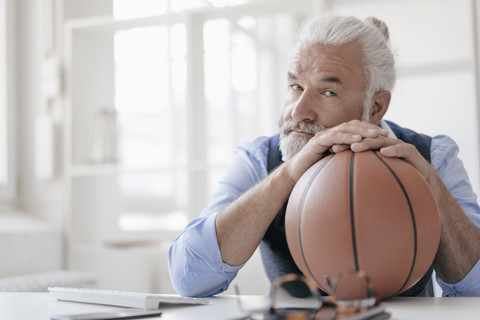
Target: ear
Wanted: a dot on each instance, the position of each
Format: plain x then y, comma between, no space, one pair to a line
380,103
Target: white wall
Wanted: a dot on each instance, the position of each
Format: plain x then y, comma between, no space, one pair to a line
30,235
434,44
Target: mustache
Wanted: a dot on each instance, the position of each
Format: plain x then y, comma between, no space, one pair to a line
287,126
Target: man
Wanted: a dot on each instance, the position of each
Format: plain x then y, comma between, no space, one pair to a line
340,80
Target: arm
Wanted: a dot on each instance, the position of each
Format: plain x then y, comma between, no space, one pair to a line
458,251
242,224
450,169
195,263
205,258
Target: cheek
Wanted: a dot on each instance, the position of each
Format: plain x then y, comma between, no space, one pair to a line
337,113
349,113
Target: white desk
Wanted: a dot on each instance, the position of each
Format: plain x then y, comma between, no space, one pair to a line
33,306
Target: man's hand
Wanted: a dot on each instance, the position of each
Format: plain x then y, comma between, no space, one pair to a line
334,139
396,148
362,136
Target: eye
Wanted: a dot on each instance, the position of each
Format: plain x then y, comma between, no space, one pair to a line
296,87
329,93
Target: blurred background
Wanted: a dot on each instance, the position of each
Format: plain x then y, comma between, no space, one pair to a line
118,117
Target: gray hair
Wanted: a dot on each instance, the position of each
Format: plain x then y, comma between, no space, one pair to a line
372,36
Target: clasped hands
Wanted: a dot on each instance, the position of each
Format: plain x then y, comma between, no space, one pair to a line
361,136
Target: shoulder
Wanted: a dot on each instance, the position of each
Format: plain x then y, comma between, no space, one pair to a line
257,149
444,151
404,133
452,171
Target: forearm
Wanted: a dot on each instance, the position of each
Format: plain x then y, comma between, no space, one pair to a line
457,252
241,225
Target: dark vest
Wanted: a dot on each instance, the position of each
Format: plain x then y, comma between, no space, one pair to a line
276,257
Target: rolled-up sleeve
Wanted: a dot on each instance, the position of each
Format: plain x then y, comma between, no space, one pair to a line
195,263
467,287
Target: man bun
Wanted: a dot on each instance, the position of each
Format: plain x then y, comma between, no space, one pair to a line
381,26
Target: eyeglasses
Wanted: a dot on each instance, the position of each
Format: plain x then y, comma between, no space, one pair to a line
295,297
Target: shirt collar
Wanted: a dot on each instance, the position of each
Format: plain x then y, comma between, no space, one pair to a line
385,126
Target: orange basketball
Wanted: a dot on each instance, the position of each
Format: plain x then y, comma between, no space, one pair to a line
362,211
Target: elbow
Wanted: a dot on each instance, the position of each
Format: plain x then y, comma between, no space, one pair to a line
198,283
190,285
177,271
195,284
185,282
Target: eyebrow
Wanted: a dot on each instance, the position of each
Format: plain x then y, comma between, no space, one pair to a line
332,79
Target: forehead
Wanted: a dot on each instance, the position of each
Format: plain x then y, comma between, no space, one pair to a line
344,62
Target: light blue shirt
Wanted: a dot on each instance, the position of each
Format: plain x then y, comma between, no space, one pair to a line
195,262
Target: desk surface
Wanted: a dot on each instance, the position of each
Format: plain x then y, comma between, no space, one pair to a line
32,306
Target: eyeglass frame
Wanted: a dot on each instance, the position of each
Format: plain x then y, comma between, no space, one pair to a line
341,306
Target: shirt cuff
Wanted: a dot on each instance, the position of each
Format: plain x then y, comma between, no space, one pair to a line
206,273
467,287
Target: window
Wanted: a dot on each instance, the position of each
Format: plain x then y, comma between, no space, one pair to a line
239,95
6,110
178,88
150,91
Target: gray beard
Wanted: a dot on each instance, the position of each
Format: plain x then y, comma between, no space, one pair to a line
290,144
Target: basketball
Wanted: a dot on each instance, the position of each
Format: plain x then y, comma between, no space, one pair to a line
364,212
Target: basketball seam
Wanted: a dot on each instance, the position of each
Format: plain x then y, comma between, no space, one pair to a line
352,212
307,188
412,215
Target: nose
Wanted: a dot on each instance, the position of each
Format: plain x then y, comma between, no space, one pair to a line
303,108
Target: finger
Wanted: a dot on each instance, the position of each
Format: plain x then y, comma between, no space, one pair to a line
364,129
391,152
326,140
399,150
402,150
339,148
373,143
333,137
409,153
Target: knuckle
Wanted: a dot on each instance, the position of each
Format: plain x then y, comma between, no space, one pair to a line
409,147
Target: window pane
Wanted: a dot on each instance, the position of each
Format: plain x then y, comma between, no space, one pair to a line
244,82
150,90
141,70
218,90
3,102
145,140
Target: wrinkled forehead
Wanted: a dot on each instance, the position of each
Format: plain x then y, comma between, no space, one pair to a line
344,59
